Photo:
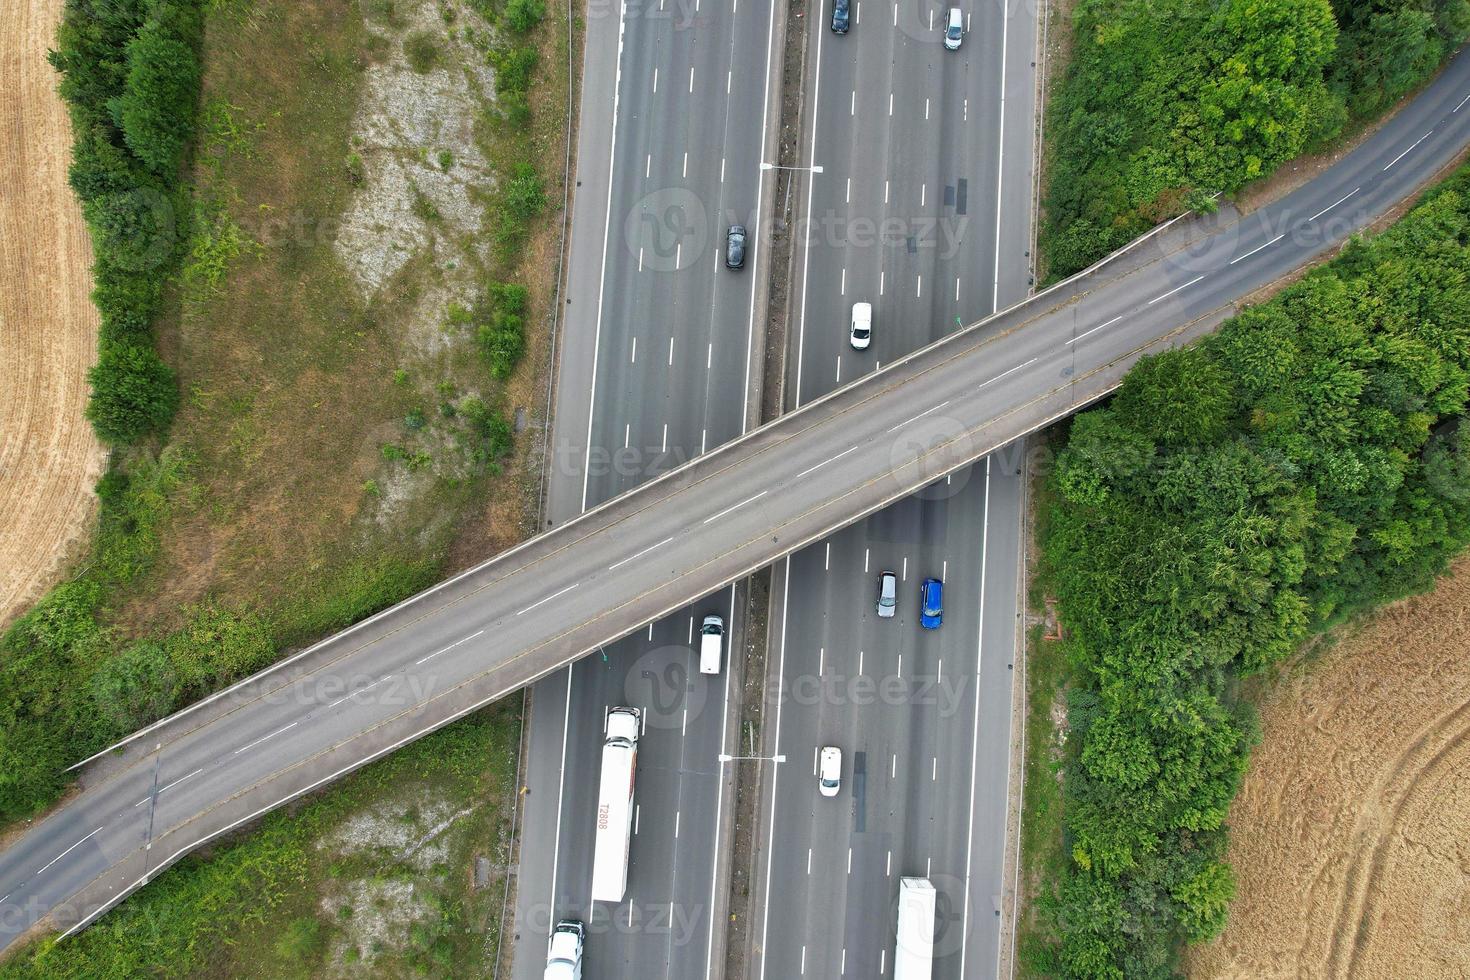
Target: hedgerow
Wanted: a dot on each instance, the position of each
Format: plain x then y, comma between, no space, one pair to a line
1236,497
130,77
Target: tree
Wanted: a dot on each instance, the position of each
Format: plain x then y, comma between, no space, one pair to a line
133,392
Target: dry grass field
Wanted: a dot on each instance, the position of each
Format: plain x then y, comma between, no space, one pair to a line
49,458
1348,837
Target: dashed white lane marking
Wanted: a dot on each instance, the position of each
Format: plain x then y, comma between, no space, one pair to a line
919,287
866,551
648,165
1241,258
633,358
803,959
904,569
821,660
424,660
808,860
934,771
1411,146
287,728
665,447
640,554
69,850
812,469
686,164
860,663
890,103
729,76
1461,105
923,194
637,817
655,80
640,258
168,787
1173,291
691,78
627,433
882,276
921,415
895,15
1338,201
541,602
736,506
1087,333
885,192
827,561
849,860
722,170
842,971
703,439
677,815
709,355
888,868
926,107
842,289
893,768
847,198
852,104
671,352
839,368
956,289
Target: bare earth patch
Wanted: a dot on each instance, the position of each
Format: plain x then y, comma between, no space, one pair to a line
1348,837
49,457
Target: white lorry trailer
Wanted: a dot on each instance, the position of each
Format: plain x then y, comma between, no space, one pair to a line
615,804
913,958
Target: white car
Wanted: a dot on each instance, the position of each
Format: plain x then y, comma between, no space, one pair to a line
861,334
829,770
564,951
954,29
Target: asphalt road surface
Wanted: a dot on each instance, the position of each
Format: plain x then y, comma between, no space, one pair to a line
922,208
657,352
497,627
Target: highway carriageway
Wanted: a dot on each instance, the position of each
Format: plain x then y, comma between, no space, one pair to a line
478,636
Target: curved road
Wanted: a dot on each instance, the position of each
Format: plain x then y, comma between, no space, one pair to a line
363,692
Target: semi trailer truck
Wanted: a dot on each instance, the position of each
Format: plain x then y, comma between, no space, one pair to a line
615,804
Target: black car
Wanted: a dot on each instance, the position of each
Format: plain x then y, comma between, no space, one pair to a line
735,247
839,16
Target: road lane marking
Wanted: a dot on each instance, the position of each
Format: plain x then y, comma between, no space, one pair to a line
1241,258
811,469
69,850
691,78
860,663
1174,290
843,969
893,768
729,76
803,959
1013,370
169,786
923,194
895,15
1406,152
847,198
827,561
956,289
648,165
736,506
1339,200
839,368
944,573
926,98
885,192
919,287
655,80
633,358
686,164
1461,105
890,103
852,104
637,817
849,860
888,868
919,416
975,731
821,660
1088,333
666,439
286,728
866,551
677,815
703,440
934,771
627,433
842,290
881,275
900,666
671,352
722,170
553,595
808,860
423,660
640,554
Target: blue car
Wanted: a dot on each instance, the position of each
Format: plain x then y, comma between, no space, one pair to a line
931,604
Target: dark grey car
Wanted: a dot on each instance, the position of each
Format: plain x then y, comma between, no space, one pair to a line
735,247
839,16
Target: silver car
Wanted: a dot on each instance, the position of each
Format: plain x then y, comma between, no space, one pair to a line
887,594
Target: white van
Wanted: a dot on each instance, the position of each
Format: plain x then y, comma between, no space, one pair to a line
862,326
711,644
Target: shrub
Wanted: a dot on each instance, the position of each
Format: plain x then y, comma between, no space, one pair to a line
133,392
422,52
156,109
523,15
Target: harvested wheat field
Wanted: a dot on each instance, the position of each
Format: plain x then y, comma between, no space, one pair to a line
49,458
1349,835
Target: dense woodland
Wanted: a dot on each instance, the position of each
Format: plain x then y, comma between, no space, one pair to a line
1233,499
1167,102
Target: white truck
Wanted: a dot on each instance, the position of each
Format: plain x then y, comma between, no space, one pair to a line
913,958
615,804
711,644
564,951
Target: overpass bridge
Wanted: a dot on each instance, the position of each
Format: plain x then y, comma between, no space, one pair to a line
484,633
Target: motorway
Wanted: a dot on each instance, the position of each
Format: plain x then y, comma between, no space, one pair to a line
922,207
657,355
645,554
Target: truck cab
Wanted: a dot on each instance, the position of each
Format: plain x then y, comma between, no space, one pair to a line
564,951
